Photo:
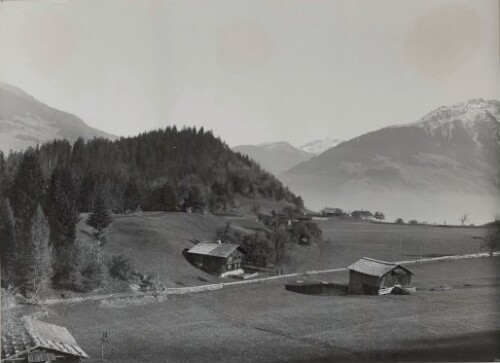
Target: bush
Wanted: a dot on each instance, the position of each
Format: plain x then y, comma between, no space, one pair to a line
91,276
399,221
120,268
413,221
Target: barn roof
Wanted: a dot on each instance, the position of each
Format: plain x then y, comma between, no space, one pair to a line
215,249
369,266
28,334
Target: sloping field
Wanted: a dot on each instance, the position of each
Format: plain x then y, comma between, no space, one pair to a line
266,323
155,241
347,239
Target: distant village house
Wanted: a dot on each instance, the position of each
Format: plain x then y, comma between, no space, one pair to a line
32,340
330,212
369,276
221,259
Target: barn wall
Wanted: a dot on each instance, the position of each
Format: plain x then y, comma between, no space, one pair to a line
398,276
362,284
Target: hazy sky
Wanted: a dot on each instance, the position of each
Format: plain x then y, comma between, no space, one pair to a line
251,71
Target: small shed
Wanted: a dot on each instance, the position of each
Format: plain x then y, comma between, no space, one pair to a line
217,258
329,212
32,340
368,276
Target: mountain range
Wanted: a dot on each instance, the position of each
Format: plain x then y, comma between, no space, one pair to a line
25,121
435,169
444,165
278,157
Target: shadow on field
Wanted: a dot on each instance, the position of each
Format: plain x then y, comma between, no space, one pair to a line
463,348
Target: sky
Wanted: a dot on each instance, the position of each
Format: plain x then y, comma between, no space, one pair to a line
252,71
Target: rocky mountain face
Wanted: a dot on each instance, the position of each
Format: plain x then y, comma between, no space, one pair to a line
316,147
275,157
25,121
445,164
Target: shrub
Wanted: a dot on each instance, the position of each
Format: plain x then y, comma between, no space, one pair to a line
413,221
399,221
91,276
120,268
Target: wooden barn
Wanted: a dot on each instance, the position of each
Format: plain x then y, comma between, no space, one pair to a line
217,258
29,340
368,276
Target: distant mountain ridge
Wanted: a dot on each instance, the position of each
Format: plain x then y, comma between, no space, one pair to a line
318,146
453,150
25,121
275,157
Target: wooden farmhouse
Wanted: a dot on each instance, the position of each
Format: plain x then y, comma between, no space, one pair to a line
30,340
369,276
221,259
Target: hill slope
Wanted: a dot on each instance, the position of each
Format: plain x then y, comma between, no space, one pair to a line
276,157
24,122
434,169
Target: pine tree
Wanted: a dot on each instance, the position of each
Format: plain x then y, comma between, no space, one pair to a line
3,175
40,254
62,210
26,195
8,251
99,219
28,187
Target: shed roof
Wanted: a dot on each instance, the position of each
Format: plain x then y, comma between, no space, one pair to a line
371,267
215,249
28,334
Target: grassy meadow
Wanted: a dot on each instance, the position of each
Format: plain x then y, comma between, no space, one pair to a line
266,323
154,241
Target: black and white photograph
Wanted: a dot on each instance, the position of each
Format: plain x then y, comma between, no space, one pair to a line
271,181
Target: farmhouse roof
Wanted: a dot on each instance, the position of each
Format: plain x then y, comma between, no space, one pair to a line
369,266
28,334
215,249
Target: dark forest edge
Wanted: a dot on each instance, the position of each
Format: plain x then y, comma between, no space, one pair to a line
44,190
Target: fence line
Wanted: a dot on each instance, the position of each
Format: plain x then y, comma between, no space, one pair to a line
212,287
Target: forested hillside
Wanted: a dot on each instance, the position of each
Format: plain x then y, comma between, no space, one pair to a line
43,191
166,169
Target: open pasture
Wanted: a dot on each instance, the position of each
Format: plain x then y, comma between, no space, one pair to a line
347,239
266,323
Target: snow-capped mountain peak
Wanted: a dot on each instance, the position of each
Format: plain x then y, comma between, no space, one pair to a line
320,145
467,113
